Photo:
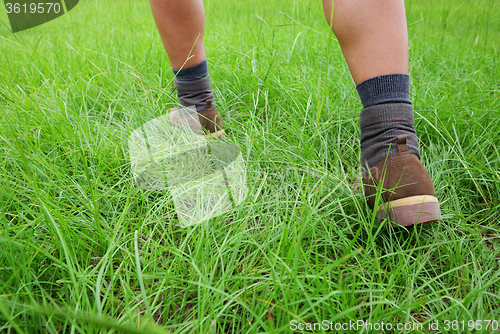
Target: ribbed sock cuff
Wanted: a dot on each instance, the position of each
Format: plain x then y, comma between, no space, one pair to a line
390,88
192,73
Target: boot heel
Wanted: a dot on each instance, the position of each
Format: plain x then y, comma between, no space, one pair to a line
411,210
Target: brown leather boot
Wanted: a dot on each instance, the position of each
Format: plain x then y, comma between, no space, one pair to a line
206,124
407,190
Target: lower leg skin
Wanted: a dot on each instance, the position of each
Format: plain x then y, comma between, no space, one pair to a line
372,34
374,39
181,24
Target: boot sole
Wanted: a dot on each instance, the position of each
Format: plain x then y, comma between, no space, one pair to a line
411,210
219,134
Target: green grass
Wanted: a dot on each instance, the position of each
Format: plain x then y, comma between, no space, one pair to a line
84,251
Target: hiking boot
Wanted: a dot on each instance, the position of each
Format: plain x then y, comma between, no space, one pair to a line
205,124
407,190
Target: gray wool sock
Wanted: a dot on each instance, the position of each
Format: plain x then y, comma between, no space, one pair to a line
193,86
381,124
192,73
389,88
387,114
194,92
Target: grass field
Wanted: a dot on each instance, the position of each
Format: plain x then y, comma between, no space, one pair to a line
84,251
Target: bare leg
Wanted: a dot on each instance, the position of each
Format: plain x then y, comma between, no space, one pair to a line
372,34
181,24
374,39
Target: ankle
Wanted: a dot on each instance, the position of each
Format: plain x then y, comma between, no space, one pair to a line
381,125
193,86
